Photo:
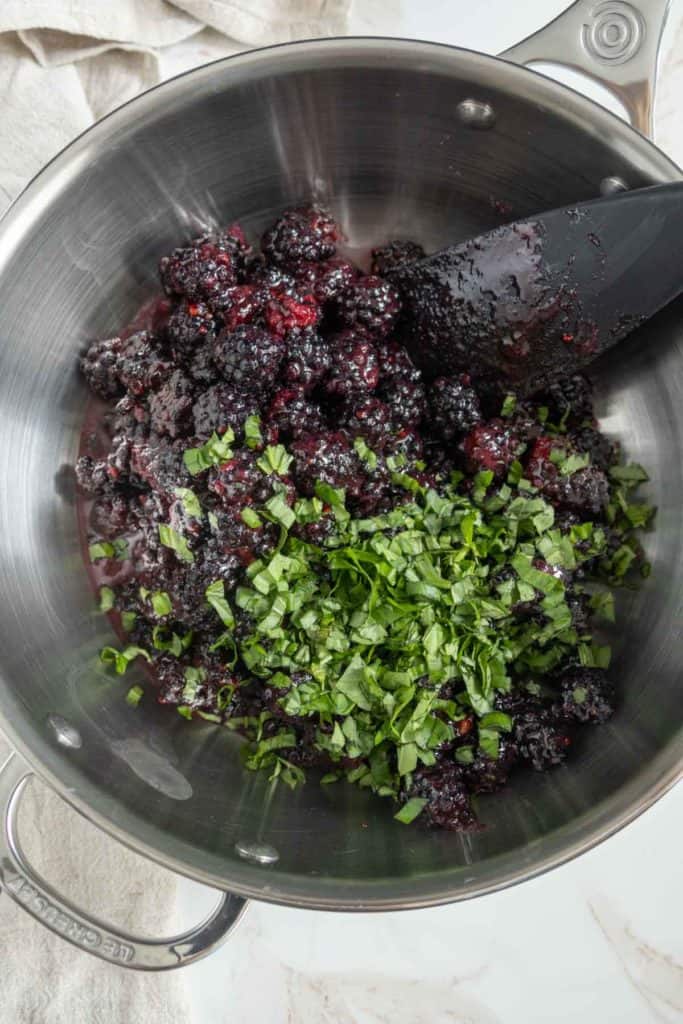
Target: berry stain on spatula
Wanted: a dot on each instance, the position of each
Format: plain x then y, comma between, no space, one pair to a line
544,296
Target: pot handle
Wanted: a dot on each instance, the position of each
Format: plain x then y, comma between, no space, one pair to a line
22,884
613,42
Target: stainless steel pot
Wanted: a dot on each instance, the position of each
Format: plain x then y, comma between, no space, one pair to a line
401,138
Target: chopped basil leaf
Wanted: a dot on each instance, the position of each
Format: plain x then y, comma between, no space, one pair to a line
106,599
161,603
365,453
464,755
175,645
170,538
212,453
275,459
134,696
185,712
251,518
194,677
101,549
509,405
410,810
252,432
631,474
190,501
215,596
121,659
573,464
128,620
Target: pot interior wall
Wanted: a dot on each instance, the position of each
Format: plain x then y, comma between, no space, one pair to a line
373,130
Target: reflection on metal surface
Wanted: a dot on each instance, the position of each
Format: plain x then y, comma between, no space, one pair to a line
67,735
476,113
612,184
257,853
154,769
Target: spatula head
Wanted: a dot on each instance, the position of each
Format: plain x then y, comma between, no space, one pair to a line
543,297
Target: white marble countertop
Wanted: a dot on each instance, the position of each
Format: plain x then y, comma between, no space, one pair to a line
598,940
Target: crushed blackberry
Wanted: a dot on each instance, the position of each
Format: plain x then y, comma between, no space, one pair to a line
395,254
369,302
453,408
354,366
242,304
170,407
448,799
307,233
586,695
570,400
287,312
248,358
542,738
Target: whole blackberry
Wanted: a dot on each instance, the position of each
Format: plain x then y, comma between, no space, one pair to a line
233,535
395,254
603,452
541,738
92,475
328,457
307,359
170,407
99,365
240,482
570,399
325,279
453,408
203,270
143,365
159,465
292,414
189,326
448,801
201,367
306,233
370,302
407,402
286,312
586,695
584,491
395,366
354,367
220,407
491,446
371,419
248,358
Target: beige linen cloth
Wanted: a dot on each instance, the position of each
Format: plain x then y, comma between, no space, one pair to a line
63,64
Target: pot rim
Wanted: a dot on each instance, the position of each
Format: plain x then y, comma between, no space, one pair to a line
582,833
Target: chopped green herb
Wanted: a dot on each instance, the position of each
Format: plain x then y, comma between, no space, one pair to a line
252,432
102,549
170,538
161,603
215,596
134,696
190,501
122,659
212,453
251,518
365,453
128,620
410,810
175,644
509,405
185,712
275,459
106,599
194,677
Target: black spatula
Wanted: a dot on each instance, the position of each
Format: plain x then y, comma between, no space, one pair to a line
544,296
